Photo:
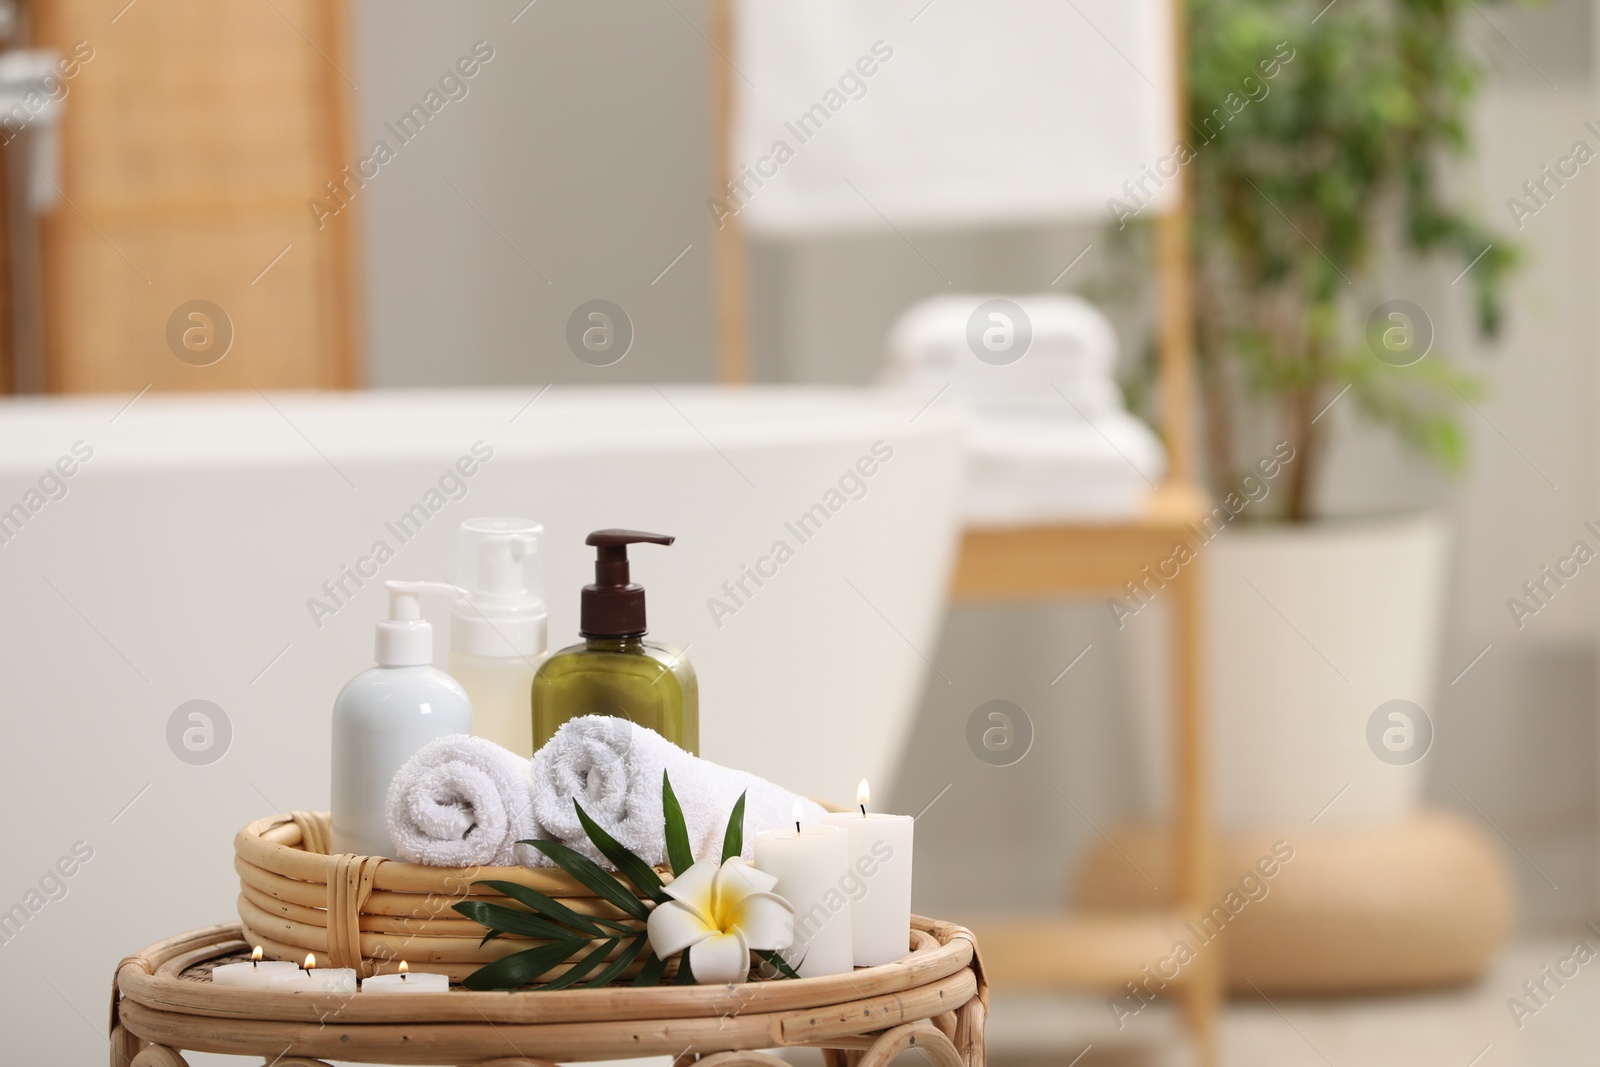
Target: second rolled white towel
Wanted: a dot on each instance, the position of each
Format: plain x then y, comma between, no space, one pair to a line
462,802
614,767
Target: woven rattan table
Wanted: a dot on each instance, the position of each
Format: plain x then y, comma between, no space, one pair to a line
934,999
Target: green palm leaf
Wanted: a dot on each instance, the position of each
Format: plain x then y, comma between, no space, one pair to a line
733,838
679,854
522,968
548,908
620,964
591,875
503,920
580,970
637,871
651,974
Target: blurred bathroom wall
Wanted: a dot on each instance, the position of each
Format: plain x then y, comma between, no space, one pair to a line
575,167
578,167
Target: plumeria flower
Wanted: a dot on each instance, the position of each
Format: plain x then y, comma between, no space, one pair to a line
719,914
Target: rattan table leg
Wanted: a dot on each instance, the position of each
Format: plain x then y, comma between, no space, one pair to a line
124,1047
920,1035
968,1039
742,1058
159,1056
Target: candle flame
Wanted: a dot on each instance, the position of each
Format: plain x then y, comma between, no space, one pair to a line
311,961
404,966
256,954
863,795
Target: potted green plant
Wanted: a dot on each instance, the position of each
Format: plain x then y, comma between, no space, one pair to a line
1314,141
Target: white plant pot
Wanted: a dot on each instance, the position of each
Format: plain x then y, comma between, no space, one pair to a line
1307,631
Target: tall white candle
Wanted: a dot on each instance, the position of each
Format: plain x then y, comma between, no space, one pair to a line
256,974
879,880
811,863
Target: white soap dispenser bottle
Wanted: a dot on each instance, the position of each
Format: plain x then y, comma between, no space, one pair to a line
385,715
498,630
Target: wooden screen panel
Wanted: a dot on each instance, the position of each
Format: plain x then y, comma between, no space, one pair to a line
193,139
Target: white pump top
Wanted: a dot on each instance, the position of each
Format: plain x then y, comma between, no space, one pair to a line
405,638
501,613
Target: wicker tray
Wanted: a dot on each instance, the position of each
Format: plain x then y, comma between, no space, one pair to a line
370,913
933,999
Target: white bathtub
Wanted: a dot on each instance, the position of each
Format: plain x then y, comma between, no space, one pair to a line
180,561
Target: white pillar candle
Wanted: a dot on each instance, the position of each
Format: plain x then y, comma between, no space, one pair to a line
406,982
879,881
314,979
256,974
810,863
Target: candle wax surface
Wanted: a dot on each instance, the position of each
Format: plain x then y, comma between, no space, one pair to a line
414,982
258,975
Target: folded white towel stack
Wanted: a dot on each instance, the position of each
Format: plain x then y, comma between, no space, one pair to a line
462,802
613,768
1050,438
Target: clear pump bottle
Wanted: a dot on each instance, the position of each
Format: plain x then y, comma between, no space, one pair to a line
498,629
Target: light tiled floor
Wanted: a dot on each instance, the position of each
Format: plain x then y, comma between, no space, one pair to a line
1458,1028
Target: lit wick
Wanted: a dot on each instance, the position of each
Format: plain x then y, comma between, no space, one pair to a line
255,958
404,967
863,794
311,961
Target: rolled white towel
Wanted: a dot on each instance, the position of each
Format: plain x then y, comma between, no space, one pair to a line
462,802
613,768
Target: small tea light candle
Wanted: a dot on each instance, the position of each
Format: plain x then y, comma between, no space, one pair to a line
879,880
256,974
406,982
811,863
313,979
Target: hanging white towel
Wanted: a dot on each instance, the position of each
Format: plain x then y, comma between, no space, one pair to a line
861,114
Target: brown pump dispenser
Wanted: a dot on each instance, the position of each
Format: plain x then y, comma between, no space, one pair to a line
615,670
614,606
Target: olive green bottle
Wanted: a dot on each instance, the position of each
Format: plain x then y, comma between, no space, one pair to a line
615,671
